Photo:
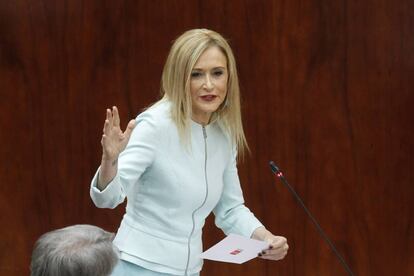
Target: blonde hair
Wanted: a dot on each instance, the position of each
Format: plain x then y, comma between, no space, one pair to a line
175,85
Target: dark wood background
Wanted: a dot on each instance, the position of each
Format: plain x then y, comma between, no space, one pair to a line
328,90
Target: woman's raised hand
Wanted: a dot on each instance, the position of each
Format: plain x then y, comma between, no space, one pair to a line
114,140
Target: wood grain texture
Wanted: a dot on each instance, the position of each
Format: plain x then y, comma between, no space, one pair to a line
327,94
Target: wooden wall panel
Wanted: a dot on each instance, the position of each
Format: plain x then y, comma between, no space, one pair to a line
327,89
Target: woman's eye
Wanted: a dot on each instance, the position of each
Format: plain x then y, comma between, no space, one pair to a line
195,74
218,73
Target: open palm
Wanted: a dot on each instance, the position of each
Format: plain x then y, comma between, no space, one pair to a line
114,140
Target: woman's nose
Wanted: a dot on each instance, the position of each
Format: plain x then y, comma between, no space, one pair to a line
208,83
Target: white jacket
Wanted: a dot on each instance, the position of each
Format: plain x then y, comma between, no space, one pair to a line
170,190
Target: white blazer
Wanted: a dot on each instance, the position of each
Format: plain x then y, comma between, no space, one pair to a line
170,190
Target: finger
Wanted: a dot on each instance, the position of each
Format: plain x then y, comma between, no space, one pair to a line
278,251
130,127
108,113
115,115
109,117
278,242
106,127
274,257
103,142
274,253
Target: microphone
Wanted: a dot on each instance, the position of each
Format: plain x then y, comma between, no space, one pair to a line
279,174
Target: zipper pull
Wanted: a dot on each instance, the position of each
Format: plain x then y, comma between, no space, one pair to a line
204,132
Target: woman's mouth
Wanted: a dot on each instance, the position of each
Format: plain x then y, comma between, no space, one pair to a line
208,98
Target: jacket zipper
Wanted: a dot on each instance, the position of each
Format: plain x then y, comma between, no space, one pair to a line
202,204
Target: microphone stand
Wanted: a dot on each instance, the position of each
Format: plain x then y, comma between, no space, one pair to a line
279,174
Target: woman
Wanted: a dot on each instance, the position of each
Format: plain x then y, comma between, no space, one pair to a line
179,164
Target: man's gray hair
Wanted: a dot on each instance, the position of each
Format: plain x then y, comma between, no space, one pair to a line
81,250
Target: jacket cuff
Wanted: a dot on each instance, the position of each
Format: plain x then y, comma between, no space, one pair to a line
248,226
105,198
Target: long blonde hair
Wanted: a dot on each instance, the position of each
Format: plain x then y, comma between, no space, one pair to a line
175,85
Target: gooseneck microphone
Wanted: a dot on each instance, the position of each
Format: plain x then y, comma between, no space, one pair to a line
279,174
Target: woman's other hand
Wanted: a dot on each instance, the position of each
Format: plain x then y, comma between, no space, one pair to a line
278,246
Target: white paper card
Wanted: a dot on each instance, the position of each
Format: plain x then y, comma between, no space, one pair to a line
235,249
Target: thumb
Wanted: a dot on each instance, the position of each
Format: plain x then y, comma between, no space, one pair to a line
130,127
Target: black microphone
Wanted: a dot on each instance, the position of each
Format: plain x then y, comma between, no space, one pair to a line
279,174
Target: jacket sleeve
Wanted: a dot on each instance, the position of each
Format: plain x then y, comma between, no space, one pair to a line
231,215
132,162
